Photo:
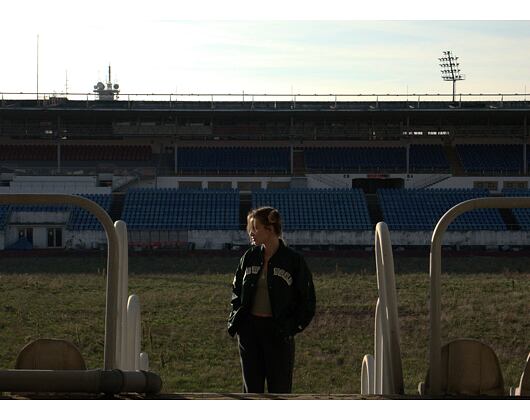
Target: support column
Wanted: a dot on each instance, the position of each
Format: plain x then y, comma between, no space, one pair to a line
408,158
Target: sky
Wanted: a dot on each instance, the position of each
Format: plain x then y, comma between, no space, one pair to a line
274,47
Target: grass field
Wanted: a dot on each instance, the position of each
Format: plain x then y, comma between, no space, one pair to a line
185,303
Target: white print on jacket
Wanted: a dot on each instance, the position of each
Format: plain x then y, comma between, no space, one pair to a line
284,275
254,269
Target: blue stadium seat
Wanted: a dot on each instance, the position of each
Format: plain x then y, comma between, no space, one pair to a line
5,211
495,159
317,209
233,160
355,159
428,158
80,219
420,209
521,215
39,208
76,152
177,209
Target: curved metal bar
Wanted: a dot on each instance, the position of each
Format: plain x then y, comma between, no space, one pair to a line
84,381
111,316
387,369
367,375
387,288
435,344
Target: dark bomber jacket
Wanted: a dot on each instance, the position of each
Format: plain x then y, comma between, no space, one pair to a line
291,290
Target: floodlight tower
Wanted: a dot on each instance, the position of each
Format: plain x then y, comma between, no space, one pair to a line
449,68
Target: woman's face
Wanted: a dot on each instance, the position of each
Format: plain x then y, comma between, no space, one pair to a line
259,234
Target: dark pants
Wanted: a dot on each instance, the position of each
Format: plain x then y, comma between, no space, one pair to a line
265,355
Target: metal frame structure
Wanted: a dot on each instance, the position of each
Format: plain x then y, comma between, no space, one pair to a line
435,273
121,362
112,305
382,373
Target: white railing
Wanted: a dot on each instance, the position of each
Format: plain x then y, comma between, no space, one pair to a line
51,98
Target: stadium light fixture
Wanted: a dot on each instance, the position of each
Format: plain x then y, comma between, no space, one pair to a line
450,69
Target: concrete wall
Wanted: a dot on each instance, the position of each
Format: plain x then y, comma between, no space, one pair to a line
329,237
219,238
39,218
345,180
173,181
117,180
467,181
84,239
40,235
216,239
70,239
150,236
413,180
46,188
486,238
313,180
57,185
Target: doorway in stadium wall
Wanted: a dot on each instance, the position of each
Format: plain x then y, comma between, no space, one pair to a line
371,185
26,233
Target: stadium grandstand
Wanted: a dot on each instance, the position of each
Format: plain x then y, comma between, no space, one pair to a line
185,173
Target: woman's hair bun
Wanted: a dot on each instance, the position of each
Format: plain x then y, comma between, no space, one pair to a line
273,216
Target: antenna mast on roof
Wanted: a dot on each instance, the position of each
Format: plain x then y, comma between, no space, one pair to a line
37,67
109,92
449,68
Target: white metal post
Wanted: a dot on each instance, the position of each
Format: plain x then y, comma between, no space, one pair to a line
123,291
133,333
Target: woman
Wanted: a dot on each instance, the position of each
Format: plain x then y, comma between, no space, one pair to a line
273,298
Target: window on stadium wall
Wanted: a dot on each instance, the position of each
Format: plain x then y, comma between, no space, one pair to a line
488,185
371,185
55,238
219,185
517,185
248,186
193,185
278,185
26,233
